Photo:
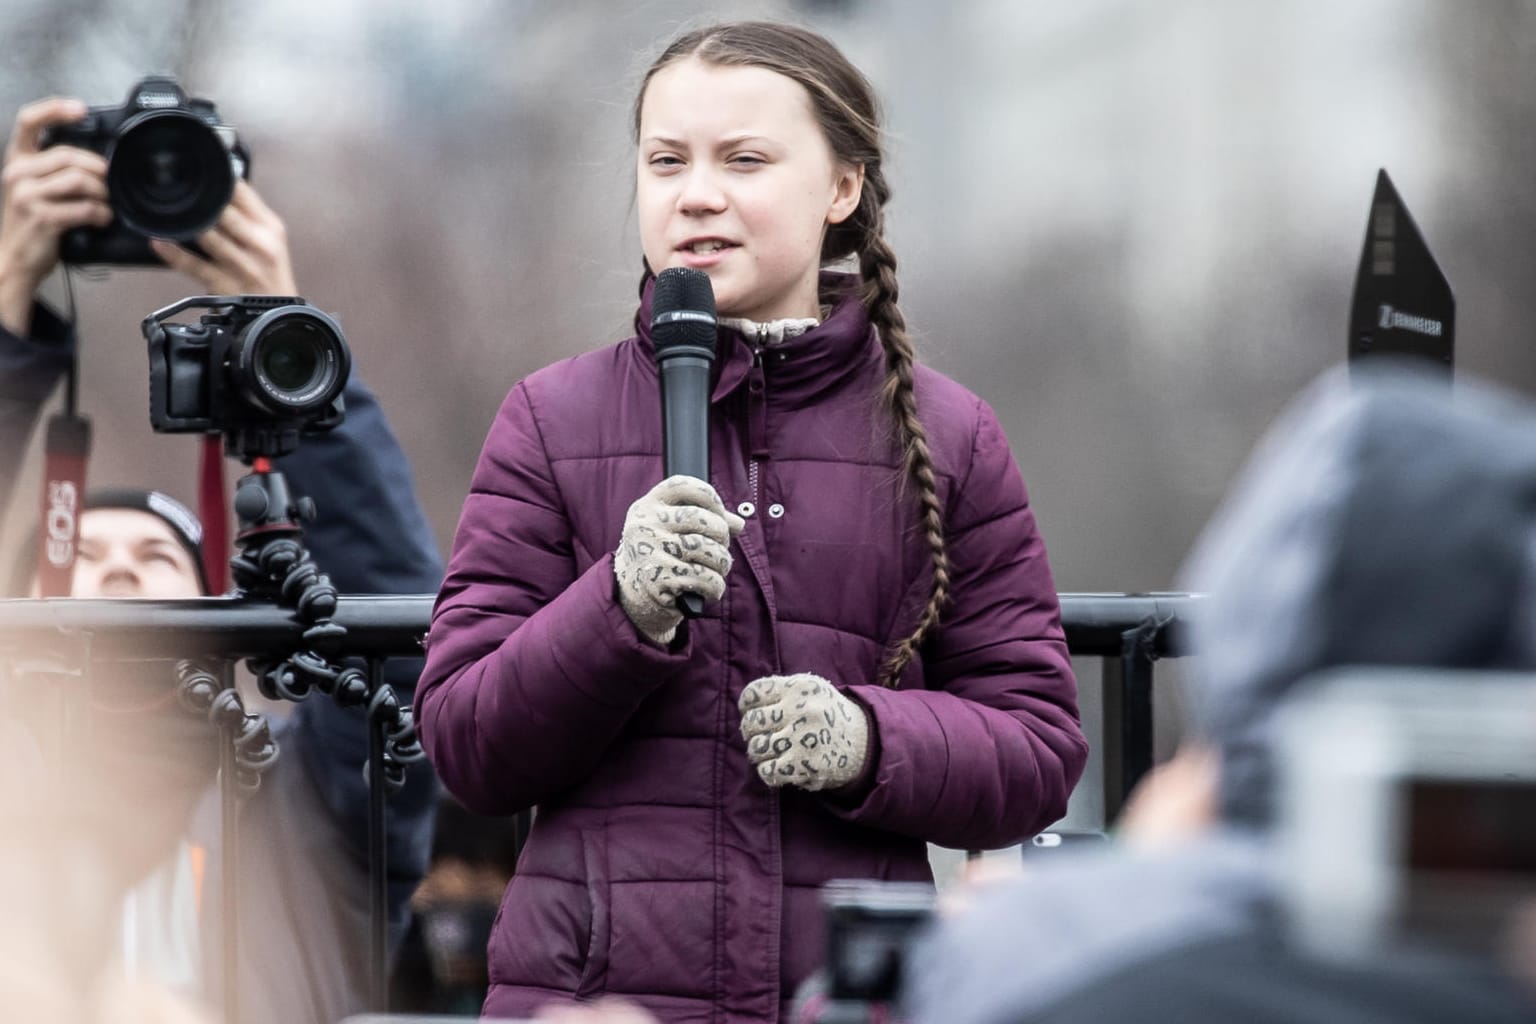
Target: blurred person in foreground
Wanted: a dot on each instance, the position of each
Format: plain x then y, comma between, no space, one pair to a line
134,773
1381,525
54,888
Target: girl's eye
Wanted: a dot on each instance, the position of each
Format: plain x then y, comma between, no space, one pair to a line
747,160
664,161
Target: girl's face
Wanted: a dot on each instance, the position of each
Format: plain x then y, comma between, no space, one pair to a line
736,179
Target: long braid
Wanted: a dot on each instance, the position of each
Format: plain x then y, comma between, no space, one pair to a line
877,266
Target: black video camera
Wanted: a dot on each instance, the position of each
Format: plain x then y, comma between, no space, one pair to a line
171,169
870,930
260,369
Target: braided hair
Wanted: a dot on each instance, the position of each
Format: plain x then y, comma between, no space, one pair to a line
845,107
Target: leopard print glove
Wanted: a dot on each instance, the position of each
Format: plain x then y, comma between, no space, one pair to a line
676,540
801,731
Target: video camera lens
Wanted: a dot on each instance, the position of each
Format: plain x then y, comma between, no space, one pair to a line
291,361
169,175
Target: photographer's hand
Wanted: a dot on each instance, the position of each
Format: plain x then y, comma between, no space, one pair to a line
46,192
247,250
1178,799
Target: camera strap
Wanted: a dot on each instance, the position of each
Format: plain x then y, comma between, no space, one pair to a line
213,510
67,448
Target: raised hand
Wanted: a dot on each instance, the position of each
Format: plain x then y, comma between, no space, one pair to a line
246,251
45,193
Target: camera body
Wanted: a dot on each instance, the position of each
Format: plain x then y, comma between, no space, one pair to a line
259,369
1407,810
171,170
870,930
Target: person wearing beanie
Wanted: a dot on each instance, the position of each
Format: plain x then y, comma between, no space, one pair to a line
1381,523
137,543
137,772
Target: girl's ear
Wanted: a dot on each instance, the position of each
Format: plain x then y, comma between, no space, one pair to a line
848,186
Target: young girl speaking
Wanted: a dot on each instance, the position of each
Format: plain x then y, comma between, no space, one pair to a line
880,661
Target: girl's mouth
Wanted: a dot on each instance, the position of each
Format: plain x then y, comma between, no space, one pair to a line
706,246
705,252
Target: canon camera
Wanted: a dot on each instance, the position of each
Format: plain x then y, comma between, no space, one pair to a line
171,170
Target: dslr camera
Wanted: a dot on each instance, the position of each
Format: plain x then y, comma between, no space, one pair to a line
1407,811
171,170
259,369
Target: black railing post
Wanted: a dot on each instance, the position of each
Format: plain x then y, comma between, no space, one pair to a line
1127,724
378,847
229,839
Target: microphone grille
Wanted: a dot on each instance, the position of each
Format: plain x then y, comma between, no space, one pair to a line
683,309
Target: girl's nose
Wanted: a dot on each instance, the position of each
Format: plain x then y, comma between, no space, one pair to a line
701,192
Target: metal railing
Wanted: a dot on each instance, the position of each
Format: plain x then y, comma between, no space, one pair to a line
1128,632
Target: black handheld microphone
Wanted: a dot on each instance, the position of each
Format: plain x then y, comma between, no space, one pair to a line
683,330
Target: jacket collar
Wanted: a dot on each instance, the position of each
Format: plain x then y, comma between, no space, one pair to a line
800,368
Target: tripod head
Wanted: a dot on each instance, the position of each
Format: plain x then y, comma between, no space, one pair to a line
272,561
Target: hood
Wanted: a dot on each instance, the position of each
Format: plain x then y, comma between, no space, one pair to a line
1384,520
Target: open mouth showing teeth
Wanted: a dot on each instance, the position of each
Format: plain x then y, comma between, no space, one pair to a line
709,246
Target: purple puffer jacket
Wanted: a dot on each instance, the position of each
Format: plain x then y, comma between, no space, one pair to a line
660,867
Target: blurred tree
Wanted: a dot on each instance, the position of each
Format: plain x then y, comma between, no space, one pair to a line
1486,237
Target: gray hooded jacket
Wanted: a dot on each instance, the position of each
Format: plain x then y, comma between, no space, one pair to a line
1381,522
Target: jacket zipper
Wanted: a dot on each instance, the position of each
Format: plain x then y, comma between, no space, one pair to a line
757,450
757,413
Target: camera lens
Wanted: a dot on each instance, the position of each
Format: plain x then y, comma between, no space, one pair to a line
169,175
292,361
289,359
